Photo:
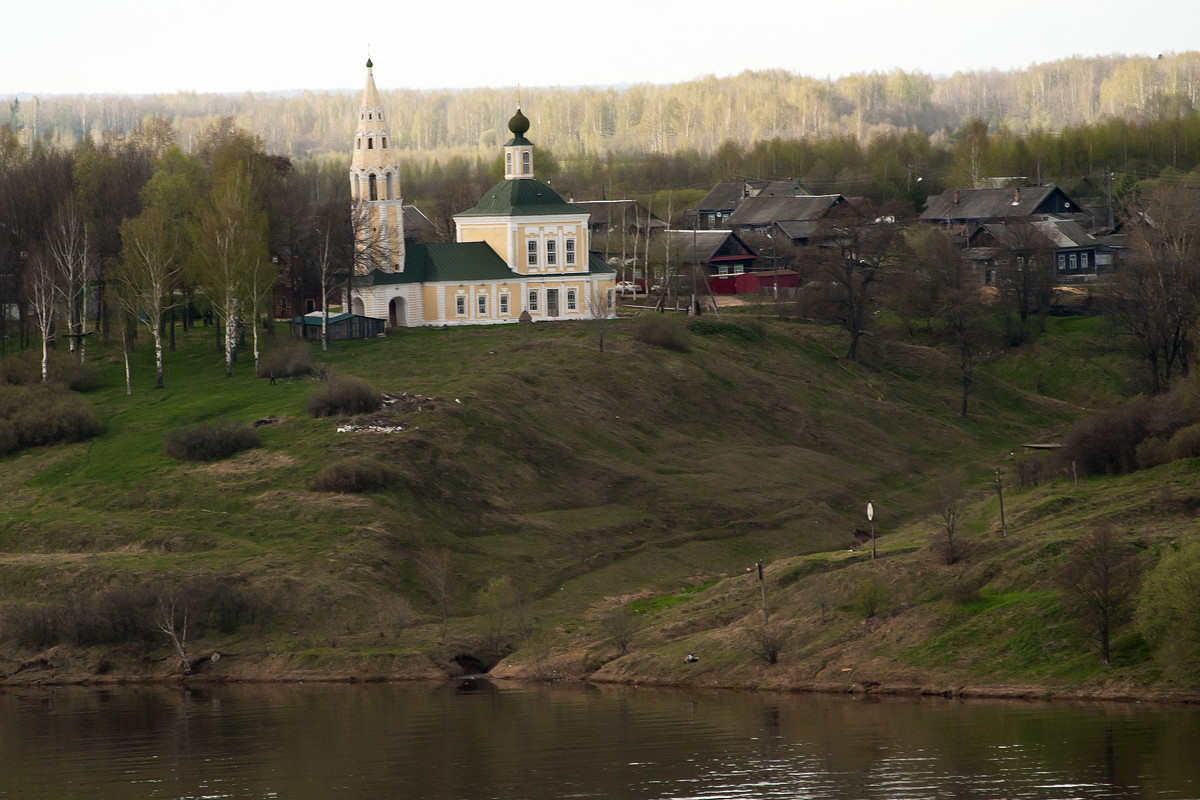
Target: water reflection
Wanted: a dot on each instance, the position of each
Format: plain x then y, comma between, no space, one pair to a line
477,740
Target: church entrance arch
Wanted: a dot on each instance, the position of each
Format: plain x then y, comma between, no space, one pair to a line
398,312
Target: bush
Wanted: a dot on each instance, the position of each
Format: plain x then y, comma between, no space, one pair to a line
76,375
870,597
1186,443
210,441
662,331
290,360
353,475
1107,442
343,394
42,415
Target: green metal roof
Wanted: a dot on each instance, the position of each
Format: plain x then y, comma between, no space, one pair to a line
444,262
598,266
521,197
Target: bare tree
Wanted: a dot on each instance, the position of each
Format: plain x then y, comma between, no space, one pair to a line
950,497
620,625
1098,582
41,291
767,642
165,621
436,575
67,240
856,241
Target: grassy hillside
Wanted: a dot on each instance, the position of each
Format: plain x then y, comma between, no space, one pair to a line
589,477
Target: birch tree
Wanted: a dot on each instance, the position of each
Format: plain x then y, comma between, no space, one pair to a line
231,239
67,240
41,292
150,267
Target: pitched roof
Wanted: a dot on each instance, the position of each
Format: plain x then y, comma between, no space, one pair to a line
703,246
727,195
765,210
980,204
444,261
522,197
598,266
608,213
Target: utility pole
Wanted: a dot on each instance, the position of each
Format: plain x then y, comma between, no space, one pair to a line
763,585
1000,494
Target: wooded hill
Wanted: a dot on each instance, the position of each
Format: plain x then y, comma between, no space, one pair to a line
697,115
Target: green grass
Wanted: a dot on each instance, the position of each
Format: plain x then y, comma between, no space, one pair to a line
583,475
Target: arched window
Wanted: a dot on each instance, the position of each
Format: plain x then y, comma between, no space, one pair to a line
388,179
508,163
570,299
384,143
357,189
374,191
370,143
527,162
358,144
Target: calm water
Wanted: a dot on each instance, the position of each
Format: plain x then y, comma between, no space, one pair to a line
578,741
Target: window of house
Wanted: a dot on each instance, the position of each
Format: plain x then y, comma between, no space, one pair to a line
1020,263
1074,263
508,163
551,253
483,305
1062,262
503,304
531,247
1083,261
460,306
533,301
526,162
569,244
570,299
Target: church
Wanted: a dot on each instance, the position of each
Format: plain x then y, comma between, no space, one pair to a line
522,252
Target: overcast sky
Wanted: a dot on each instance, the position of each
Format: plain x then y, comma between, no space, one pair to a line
139,46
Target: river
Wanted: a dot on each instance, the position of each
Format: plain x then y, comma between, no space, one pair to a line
479,741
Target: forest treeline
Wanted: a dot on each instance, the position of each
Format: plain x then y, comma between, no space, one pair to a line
696,115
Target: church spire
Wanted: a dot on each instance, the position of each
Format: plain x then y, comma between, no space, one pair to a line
374,175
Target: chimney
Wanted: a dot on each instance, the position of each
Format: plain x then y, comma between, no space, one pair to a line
956,197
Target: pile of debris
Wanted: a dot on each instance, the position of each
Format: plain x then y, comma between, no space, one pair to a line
385,419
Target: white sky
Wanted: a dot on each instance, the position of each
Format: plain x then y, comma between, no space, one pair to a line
146,46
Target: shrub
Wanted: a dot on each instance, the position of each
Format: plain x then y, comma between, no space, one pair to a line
1151,452
42,415
1186,443
352,475
662,331
208,441
290,360
870,597
343,394
767,642
76,375
1107,442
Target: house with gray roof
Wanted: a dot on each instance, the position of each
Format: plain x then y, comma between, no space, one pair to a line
964,206
726,197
